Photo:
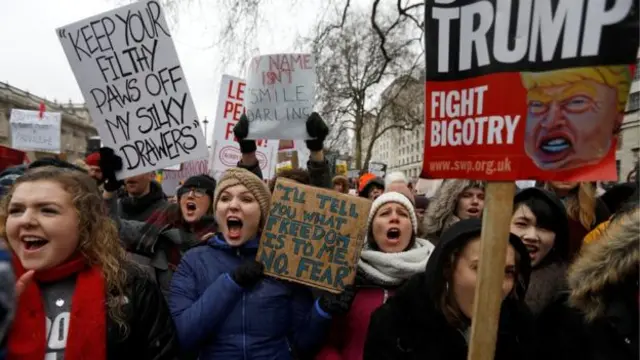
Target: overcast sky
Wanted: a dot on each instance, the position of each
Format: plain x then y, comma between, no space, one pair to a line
32,57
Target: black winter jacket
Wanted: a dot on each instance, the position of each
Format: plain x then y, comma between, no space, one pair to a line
151,332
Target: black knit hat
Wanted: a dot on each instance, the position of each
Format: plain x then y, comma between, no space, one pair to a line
204,182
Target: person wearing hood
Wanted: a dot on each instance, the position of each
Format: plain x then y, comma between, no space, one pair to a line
454,200
430,316
370,186
223,305
598,320
540,221
391,255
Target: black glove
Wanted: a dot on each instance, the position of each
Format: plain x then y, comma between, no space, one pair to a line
317,129
248,274
337,304
241,131
109,164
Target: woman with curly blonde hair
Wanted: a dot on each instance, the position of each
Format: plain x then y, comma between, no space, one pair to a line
79,298
584,209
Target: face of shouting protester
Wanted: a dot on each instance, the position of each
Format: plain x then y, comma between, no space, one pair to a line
571,124
539,241
470,204
42,224
238,215
375,192
138,185
391,228
194,204
465,275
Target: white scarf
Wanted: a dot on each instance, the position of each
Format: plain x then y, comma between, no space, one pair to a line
394,268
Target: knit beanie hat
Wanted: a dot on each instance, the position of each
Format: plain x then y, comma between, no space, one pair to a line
239,176
398,198
93,159
203,182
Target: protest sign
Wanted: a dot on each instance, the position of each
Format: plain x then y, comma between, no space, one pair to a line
378,169
280,94
313,236
226,151
546,107
129,73
172,178
31,133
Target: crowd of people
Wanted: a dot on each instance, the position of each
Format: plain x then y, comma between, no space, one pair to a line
92,267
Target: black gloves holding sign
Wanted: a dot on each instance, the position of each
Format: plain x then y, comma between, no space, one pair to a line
316,128
109,164
337,304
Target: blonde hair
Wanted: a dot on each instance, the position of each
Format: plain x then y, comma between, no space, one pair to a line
617,77
81,164
99,241
581,206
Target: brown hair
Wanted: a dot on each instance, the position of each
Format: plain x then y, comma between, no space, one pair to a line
446,300
341,180
99,242
581,204
298,175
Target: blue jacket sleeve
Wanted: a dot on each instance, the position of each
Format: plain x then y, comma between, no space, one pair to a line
310,323
197,316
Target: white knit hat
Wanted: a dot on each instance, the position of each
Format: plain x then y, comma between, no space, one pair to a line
395,176
398,198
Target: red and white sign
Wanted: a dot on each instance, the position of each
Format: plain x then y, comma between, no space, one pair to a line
172,178
226,151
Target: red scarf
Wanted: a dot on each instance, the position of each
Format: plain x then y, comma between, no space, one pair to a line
87,338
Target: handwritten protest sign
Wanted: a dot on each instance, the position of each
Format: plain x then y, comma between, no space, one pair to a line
226,151
313,236
280,95
32,133
546,107
128,70
172,178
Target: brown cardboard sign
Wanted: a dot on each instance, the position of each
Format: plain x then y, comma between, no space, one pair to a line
313,236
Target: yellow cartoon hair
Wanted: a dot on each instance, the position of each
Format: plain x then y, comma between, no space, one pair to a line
616,76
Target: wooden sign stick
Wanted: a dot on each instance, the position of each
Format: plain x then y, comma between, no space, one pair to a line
493,248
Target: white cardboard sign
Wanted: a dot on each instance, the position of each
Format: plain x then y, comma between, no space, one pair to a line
31,133
280,95
128,70
171,178
226,151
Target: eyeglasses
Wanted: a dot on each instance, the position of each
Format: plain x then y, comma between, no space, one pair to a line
197,192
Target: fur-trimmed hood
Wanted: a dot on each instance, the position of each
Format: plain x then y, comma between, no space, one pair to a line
605,265
440,213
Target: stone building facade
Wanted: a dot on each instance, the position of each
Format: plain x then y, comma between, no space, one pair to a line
77,126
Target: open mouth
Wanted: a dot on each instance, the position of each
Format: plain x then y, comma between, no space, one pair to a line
393,234
533,250
191,206
33,243
234,227
474,211
554,147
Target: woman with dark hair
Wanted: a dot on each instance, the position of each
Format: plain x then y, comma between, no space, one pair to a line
540,221
430,317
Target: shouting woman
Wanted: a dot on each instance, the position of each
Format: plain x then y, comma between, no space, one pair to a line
85,300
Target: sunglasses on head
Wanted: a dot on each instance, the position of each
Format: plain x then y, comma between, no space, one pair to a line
197,192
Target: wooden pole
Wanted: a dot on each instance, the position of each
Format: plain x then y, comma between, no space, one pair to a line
488,298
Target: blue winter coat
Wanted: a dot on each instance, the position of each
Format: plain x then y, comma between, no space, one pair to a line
219,320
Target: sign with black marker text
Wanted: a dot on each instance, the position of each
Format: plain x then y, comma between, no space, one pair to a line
128,70
29,132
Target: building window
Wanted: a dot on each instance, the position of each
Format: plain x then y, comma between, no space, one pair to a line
634,101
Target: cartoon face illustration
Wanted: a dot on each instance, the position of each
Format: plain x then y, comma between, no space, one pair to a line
574,114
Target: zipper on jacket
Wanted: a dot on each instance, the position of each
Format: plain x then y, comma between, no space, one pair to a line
385,296
244,332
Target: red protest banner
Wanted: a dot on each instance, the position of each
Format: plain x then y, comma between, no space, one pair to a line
507,99
11,157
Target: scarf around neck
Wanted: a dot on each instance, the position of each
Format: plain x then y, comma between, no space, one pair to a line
394,268
87,325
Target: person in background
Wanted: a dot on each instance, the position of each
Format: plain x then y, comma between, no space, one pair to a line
93,163
9,176
584,210
430,316
7,296
540,221
223,305
421,204
81,164
454,200
341,184
370,186
598,320
100,306
392,254
395,177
